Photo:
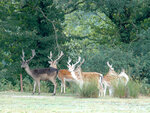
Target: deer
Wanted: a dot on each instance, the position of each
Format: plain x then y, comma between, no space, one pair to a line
39,74
63,74
82,77
112,77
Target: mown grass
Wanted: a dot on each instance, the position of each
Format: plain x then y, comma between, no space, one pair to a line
15,102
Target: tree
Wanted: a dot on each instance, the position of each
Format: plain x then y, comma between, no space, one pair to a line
29,26
127,15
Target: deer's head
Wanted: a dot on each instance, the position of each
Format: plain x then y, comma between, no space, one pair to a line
123,74
71,67
111,70
53,63
26,62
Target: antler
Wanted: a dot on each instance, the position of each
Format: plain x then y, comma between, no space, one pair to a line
69,60
110,66
50,56
23,56
33,54
81,63
61,54
77,61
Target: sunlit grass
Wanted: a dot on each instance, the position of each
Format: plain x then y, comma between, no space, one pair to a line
14,102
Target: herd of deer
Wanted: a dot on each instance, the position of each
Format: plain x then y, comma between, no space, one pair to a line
74,73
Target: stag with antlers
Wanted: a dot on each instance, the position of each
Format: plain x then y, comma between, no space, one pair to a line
63,74
39,74
112,78
82,77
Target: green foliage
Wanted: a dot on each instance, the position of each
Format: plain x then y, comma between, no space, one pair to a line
89,26
145,87
89,90
5,85
27,85
120,90
98,30
73,88
131,90
134,57
26,28
125,14
122,19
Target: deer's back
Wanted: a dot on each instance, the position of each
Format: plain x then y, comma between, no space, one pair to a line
45,72
64,74
88,76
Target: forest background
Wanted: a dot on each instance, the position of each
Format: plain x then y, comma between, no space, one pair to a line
117,31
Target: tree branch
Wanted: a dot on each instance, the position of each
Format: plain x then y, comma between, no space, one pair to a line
75,7
54,27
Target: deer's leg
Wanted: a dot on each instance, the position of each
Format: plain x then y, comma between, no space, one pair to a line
39,86
101,90
55,85
110,91
105,88
98,86
64,86
35,83
61,87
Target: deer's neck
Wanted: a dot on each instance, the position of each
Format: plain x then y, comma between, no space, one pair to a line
74,75
79,73
112,73
125,76
80,77
28,70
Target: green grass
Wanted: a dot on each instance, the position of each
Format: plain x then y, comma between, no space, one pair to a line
16,102
120,90
131,90
89,90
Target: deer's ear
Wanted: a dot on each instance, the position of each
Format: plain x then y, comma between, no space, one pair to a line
49,62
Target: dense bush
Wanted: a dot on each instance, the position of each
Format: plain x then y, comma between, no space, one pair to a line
145,87
72,88
89,90
131,90
120,90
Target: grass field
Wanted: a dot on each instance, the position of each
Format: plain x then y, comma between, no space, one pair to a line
16,102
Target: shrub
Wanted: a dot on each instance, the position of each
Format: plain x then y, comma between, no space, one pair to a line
73,88
44,87
120,90
145,88
89,90
131,90
27,85
5,85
